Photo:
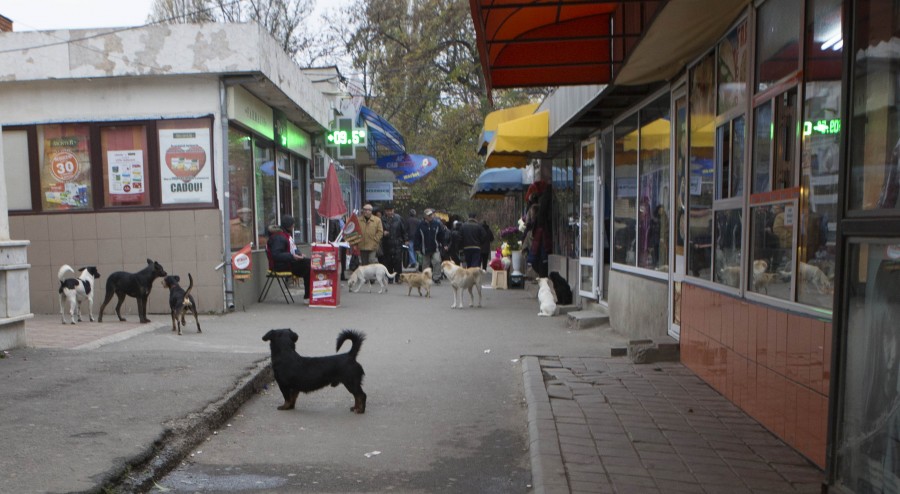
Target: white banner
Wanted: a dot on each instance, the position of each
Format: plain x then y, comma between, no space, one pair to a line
379,191
187,175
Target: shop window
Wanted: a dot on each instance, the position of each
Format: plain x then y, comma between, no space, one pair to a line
730,141
762,149
564,206
653,209
701,173
727,259
731,62
777,41
589,168
298,187
625,162
266,198
124,157
875,139
240,186
868,432
772,248
65,167
819,170
185,161
15,163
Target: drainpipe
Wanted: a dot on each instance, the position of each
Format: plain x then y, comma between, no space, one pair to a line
226,206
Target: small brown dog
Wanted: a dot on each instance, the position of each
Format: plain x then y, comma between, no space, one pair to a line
418,281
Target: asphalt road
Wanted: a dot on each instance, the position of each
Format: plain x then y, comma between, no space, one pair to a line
445,412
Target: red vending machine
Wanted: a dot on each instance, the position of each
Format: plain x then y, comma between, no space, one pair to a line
325,283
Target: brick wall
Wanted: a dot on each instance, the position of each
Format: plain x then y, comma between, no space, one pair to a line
5,24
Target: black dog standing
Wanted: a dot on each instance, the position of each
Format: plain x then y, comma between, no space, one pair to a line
181,301
295,374
137,285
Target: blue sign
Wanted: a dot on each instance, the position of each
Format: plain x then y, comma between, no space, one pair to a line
408,168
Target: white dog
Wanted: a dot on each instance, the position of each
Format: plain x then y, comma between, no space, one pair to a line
370,273
462,279
73,291
547,297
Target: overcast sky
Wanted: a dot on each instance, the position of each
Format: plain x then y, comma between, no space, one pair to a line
38,15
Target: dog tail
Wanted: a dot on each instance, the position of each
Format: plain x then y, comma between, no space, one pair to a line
65,272
427,271
391,275
190,285
355,337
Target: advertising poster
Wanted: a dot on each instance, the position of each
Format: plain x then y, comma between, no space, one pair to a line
242,264
186,176
126,174
66,169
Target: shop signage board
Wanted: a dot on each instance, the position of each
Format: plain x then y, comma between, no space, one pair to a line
185,171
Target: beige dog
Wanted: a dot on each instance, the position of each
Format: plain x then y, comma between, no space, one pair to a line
462,279
370,273
418,281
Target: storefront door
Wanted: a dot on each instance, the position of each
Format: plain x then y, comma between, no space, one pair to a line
679,206
591,214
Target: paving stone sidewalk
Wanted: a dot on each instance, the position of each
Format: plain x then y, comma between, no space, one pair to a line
604,425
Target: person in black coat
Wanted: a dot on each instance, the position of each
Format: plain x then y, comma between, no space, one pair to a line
472,236
283,254
486,245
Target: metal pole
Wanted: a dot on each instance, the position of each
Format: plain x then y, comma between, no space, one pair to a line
226,206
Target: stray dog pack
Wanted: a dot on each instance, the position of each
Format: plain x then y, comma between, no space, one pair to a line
296,374
181,301
137,285
73,291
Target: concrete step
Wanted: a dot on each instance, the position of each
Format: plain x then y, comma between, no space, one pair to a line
566,309
585,319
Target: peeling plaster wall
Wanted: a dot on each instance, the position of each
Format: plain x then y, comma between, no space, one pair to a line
159,50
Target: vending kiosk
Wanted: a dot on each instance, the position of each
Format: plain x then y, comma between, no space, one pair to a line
323,271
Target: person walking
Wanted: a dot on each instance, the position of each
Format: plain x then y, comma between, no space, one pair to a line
412,226
429,239
371,231
472,236
486,245
393,241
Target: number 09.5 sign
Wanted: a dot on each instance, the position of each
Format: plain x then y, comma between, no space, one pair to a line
65,167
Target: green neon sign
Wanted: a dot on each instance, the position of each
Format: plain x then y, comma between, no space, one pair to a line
822,127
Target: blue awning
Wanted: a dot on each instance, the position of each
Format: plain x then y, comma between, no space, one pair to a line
382,139
498,181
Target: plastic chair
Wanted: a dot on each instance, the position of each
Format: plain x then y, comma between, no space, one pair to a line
280,277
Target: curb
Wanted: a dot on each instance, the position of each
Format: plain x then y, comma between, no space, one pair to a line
115,338
548,474
180,436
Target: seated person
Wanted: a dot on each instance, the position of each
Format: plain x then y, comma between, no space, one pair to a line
283,255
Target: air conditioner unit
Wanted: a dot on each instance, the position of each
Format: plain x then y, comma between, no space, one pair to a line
320,167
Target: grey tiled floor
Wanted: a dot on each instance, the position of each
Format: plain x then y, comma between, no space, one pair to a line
606,425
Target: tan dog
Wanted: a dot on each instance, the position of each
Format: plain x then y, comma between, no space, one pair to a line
462,279
418,281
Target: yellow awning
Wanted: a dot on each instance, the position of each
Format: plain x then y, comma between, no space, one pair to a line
516,139
495,118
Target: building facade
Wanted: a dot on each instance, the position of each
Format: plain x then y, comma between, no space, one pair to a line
737,191
177,143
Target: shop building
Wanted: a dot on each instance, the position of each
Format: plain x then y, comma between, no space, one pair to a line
736,190
178,143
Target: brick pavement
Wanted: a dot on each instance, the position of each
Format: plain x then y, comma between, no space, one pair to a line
46,331
604,425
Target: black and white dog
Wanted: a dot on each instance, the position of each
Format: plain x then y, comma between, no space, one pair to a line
73,291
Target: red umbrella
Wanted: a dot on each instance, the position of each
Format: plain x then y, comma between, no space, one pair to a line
332,204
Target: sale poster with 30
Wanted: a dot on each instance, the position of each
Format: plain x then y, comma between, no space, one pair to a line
186,174
66,168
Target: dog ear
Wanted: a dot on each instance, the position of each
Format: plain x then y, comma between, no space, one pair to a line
149,261
294,336
177,278
268,336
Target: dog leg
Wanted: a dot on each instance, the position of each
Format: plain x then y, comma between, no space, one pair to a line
119,306
290,400
478,288
109,296
62,308
142,309
359,397
174,321
197,320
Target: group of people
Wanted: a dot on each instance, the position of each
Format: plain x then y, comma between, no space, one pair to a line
389,239
423,242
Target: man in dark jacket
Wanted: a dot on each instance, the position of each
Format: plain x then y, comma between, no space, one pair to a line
429,240
486,245
393,241
283,255
472,235
412,226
